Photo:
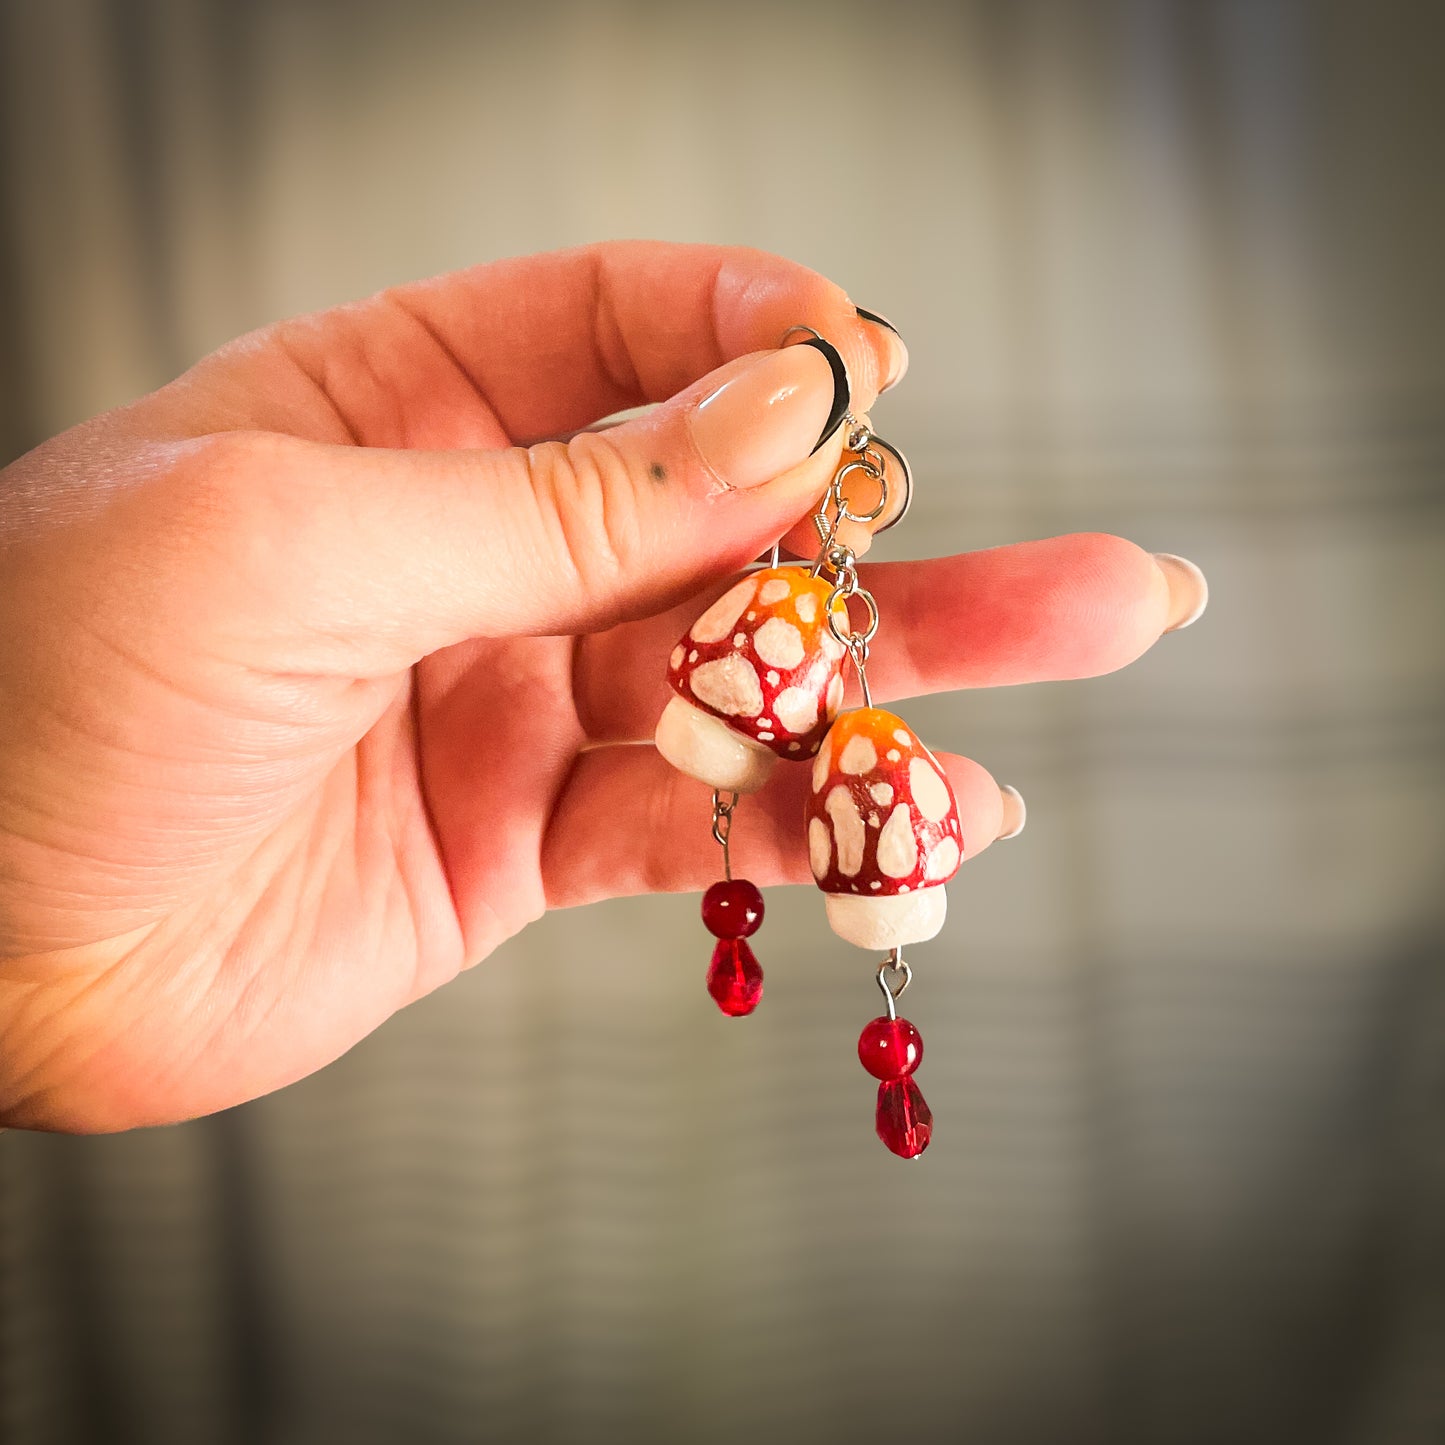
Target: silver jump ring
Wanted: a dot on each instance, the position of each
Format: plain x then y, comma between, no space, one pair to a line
844,512
846,638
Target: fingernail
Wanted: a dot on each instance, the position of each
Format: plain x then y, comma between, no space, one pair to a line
1188,591
897,351
1015,813
766,419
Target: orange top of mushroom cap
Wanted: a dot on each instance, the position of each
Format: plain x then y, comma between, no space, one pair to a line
881,816
764,660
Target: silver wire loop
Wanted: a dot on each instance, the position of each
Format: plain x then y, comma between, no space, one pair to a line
722,826
896,965
858,651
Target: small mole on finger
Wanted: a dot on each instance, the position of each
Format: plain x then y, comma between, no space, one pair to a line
657,472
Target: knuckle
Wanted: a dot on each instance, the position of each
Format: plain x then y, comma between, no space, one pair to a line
590,495
224,493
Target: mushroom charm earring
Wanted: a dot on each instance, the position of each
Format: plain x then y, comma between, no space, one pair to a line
758,677
882,824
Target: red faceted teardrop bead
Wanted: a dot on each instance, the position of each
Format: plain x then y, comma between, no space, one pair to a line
890,1048
905,1122
734,978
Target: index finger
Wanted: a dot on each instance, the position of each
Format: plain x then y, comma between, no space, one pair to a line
553,342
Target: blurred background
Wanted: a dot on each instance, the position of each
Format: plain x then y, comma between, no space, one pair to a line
1166,269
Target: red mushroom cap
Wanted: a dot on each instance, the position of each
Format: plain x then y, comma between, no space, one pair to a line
881,816
763,659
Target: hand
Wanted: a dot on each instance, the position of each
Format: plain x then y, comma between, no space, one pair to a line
309,656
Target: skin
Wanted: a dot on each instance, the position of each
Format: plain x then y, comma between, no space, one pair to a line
316,661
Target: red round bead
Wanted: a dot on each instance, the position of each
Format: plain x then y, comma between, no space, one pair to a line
890,1048
732,909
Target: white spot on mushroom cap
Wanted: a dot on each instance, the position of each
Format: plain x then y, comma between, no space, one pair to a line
832,648
774,590
718,620
807,606
765,737
678,653
847,830
793,747
779,643
773,678
859,756
897,847
930,792
902,736
881,793
835,695
730,685
740,639
942,861
893,755
797,709
820,847
821,764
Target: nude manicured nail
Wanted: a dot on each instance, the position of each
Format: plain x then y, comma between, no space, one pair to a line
1015,813
897,364
1188,591
766,419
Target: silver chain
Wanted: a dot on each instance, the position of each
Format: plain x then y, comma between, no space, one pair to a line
840,560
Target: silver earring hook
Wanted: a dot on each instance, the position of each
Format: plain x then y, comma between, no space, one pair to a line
907,472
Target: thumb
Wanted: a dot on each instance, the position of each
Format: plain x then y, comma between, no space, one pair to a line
389,555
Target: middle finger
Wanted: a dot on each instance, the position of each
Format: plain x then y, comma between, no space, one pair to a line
1063,607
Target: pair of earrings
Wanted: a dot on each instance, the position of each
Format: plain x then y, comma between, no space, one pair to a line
758,678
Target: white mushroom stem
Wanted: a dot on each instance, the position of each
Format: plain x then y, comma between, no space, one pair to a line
888,922
706,748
